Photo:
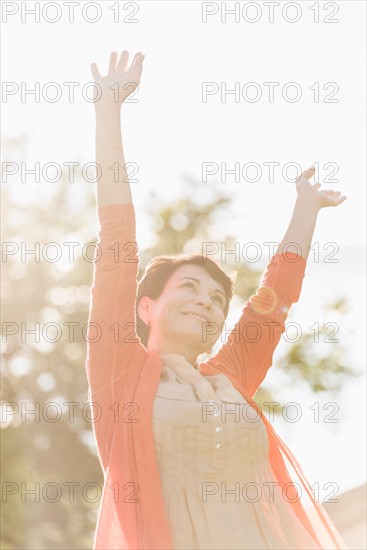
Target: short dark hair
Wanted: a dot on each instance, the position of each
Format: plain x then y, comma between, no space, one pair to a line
158,271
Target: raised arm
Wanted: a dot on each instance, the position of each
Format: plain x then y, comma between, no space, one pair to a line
112,339
247,355
113,185
310,199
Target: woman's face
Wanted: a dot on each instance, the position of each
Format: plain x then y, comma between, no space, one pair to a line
187,317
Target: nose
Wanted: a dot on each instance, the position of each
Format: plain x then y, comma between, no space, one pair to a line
204,300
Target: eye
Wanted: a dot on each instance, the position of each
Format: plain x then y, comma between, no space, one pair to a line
189,283
220,301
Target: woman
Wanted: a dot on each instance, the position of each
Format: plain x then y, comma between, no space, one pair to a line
182,468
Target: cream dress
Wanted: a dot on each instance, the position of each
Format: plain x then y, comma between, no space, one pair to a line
219,489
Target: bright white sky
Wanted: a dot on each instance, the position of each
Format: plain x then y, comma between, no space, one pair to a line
170,132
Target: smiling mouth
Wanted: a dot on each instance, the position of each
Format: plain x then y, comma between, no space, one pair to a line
195,315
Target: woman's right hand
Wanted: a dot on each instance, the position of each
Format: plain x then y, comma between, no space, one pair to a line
120,81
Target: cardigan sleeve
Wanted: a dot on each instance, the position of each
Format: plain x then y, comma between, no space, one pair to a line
112,338
248,352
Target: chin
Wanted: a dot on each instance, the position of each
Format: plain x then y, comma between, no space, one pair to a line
192,336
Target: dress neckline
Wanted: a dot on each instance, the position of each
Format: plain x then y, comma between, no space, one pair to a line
177,360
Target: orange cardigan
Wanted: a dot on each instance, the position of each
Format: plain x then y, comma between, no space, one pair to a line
123,377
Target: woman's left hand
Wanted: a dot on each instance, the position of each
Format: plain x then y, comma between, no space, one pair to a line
313,193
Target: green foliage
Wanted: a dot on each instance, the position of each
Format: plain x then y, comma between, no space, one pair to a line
322,372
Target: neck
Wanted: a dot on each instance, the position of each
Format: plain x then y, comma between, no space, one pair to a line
190,356
174,359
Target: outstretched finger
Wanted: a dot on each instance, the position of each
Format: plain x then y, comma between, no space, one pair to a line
136,58
95,72
124,59
309,172
341,199
112,65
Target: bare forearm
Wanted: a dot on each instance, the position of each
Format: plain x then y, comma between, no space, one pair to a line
301,228
113,185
